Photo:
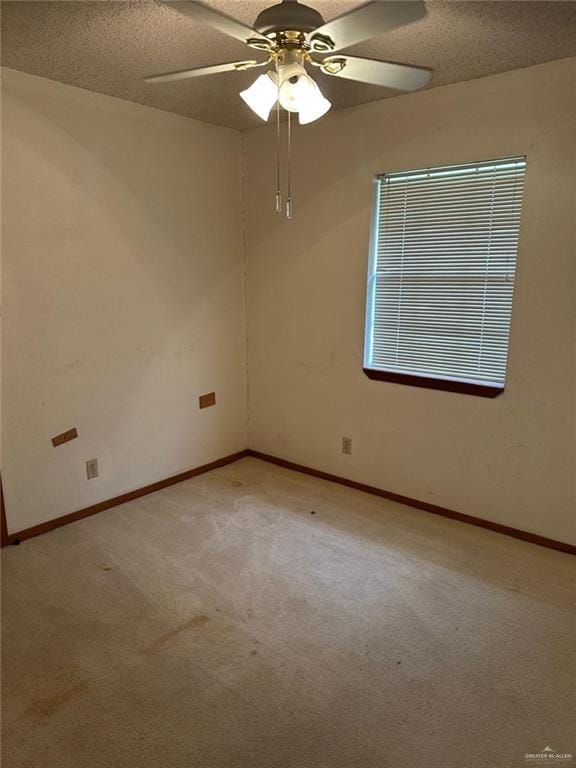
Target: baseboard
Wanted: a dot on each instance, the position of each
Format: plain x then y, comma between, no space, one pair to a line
49,525
517,533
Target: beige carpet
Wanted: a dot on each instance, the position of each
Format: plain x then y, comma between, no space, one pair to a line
219,623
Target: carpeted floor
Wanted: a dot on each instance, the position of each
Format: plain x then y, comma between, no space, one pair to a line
254,617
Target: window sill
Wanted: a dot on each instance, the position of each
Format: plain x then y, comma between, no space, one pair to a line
428,382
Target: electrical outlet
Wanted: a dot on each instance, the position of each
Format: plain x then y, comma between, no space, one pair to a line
347,446
92,469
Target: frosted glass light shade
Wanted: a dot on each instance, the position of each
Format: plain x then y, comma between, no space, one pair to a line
301,94
261,95
295,92
315,109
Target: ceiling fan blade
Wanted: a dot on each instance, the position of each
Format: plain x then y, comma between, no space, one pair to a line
204,13
184,74
402,77
369,20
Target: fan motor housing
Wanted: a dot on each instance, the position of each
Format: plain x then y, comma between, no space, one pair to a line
288,15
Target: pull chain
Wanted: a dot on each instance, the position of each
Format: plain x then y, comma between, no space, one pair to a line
288,171
278,193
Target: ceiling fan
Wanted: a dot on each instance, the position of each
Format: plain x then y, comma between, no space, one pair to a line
293,35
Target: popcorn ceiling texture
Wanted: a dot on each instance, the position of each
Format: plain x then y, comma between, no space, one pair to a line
109,47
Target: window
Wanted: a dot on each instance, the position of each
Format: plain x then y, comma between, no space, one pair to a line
441,275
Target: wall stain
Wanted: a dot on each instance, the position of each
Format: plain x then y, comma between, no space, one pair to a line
156,645
43,709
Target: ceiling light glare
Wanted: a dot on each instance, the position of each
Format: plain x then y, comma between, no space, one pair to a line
296,92
314,108
301,94
261,95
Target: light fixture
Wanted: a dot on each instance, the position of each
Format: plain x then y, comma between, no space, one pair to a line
314,107
300,94
291,88
261,95
295,92
292,35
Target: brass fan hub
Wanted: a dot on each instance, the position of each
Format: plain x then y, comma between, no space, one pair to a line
284,42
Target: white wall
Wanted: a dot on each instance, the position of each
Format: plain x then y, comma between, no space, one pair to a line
510,460
123,300
123,295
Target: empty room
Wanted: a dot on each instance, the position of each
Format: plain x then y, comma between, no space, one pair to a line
288,460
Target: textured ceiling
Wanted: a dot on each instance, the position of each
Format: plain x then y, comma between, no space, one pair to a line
110,46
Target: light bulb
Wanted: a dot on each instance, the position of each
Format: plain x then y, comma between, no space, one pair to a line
296,92
262,95
301,94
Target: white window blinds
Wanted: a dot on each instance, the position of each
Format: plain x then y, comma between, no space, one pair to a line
441,276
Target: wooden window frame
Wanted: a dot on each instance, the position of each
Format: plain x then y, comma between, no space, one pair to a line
430,382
